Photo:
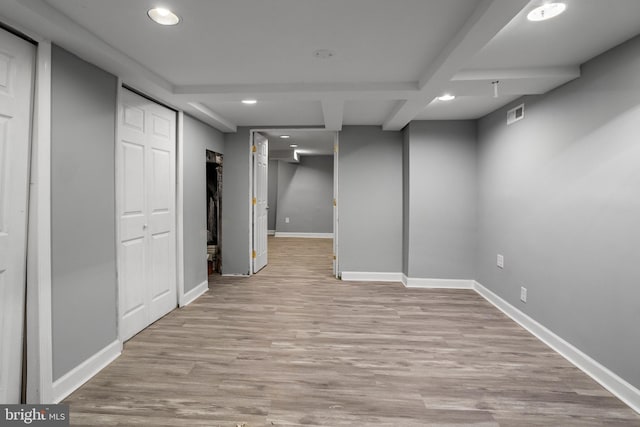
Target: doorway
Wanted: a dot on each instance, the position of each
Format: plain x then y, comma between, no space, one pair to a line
301,179
214,212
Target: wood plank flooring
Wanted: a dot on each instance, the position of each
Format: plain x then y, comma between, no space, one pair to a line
292,346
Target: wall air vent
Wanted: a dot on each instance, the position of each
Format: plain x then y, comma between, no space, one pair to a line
515,114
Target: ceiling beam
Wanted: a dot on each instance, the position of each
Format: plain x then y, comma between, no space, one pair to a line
208,115
484,23
333,111
570,71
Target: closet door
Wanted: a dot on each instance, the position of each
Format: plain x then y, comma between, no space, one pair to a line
16,92
146,212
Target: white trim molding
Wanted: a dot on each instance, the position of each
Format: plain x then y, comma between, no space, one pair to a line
412,282
188,297
38,332
304,235
82,373
271,232
609,380
180,209
362,276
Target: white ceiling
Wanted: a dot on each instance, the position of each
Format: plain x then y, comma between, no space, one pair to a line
392,58
308,141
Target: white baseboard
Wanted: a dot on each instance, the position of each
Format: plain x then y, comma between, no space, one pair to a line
271,232
194,293
305,235
82,373
609,380
411,282
371,276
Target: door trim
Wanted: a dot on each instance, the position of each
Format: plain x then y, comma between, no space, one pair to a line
39,322
250,195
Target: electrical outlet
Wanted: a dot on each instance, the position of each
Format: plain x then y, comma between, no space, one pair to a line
286,220
500,261
523,294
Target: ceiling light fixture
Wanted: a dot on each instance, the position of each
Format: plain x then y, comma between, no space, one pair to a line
163,16
249,101
495,88
546,11
293,145
446,97
285,136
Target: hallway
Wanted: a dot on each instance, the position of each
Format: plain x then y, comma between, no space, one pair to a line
294,346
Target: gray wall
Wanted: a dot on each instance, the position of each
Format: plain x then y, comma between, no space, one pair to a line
559,199
440,170
198,138
83,100
305,195
273,194
236,203
370,199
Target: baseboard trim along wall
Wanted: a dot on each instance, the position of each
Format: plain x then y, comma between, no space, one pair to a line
82,373
411,282
271,232
305,235
609,380
194,293
362,276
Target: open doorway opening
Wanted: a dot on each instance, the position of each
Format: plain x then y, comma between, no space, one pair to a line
214,212
302,197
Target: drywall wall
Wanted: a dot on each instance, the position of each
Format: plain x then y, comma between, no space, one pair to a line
440,170
83,291
559,199
236,203
370,200
305,195
272,197
197,139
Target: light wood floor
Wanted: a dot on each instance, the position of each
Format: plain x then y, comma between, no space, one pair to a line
293,346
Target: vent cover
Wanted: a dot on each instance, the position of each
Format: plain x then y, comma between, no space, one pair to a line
515,114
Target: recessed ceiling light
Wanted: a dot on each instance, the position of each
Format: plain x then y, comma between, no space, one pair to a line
249,101
293,145
546,11
285,136
446,97
163,16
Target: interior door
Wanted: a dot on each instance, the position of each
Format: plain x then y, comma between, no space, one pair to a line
260,199
146,212
16,93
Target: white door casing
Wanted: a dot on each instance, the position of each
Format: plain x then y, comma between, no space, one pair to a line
17,59
260,200
336,271
146,200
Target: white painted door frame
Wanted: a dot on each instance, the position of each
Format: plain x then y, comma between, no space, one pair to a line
336,218
335,192
39,381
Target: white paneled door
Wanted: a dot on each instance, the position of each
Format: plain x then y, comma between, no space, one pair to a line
16,93
260,199
146,183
